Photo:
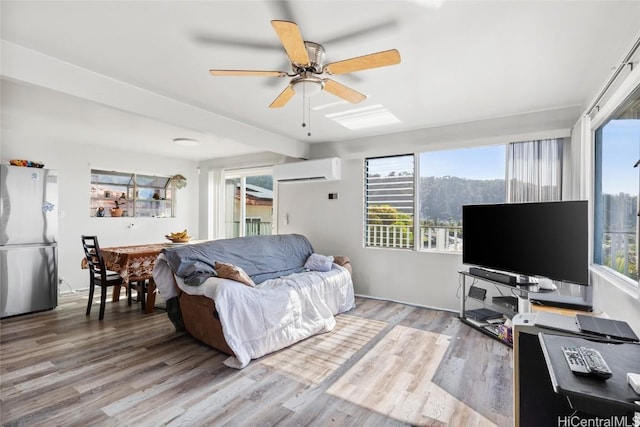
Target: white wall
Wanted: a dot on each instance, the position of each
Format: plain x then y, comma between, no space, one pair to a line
73,162
335,227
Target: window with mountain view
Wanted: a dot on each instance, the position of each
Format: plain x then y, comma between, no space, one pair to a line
450,179
617,145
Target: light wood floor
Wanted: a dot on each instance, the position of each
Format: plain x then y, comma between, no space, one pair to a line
384,364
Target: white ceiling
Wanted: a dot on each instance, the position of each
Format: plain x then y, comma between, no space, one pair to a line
461,61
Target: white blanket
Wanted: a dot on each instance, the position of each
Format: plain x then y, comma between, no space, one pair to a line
276,313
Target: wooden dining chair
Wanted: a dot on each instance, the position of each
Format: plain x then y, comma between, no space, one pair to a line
141,288
98,274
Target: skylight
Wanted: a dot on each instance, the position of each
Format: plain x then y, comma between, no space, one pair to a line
365,117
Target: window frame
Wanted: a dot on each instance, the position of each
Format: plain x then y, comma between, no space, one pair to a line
130,201
365,229
597,128
444,233
242,175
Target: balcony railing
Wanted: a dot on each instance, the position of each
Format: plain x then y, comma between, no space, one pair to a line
250,229
619,251
442,238
389,236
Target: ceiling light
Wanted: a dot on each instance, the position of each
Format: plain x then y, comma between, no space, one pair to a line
307,86
186,142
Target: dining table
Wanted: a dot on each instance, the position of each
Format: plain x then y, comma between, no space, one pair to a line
134,263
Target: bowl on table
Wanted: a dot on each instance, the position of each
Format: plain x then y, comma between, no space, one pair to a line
178,239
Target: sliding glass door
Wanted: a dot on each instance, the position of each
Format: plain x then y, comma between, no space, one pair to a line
248,203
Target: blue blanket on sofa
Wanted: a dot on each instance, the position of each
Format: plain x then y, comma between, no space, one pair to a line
261,257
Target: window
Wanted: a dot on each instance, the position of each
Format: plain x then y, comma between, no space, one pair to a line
389,200
450,179
118,194
447,181
248,203
617,149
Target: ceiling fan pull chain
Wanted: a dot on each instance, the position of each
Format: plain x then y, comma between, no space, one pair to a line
309,115
304,98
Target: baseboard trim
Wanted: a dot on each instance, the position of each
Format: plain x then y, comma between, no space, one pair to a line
430,307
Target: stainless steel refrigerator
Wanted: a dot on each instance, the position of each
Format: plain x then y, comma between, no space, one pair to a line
28,245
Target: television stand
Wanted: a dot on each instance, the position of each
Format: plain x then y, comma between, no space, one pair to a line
506,306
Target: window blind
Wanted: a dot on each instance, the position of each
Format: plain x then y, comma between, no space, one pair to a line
389,201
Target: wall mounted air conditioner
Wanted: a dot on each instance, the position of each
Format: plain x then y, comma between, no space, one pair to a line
308,170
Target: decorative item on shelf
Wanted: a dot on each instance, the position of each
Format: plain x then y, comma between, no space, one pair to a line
117,211
179,181
100,212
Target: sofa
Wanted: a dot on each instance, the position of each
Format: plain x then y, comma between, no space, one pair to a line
250,296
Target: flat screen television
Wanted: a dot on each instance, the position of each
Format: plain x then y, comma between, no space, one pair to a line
544,239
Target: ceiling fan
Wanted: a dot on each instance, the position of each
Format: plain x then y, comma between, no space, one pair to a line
308,63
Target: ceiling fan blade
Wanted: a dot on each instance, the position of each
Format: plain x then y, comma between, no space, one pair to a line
283,98
248,73
291,39
273,83
343,91
366,62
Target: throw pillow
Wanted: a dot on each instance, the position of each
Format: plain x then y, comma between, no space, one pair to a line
318,262
233,272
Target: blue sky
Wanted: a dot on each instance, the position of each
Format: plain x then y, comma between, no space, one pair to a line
472,163
621,150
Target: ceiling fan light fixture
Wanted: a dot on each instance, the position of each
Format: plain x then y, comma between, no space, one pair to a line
307,86
307,61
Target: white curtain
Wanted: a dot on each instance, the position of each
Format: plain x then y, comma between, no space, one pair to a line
534,171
